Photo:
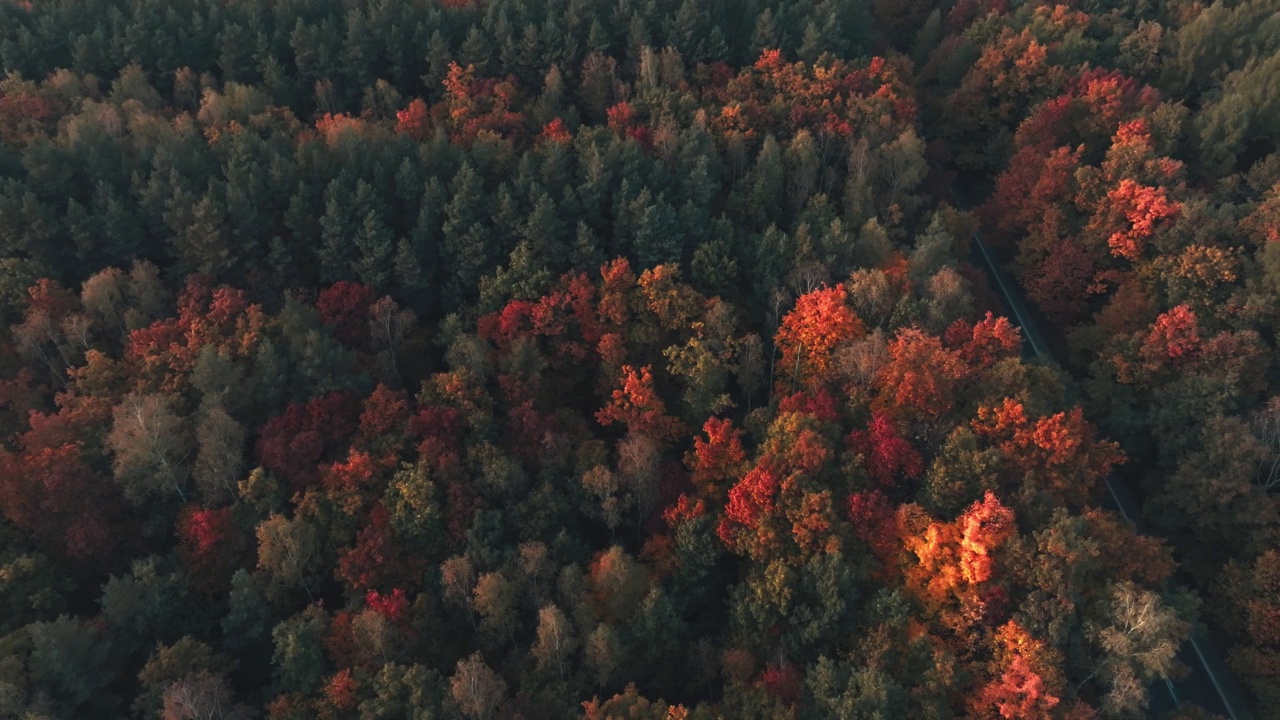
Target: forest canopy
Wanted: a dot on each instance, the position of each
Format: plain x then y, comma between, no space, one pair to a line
550,359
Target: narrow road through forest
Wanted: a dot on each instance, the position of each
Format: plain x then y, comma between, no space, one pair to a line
1209,683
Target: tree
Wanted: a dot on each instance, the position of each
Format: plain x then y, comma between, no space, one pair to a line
378,560
203,697
219,455
211,544
202,241
885,452
847,691
103,296
495,601
903,165
555,639
151,448
1138,636
34,588
658,238
478,690
717,460
990,340
630,704
248,616
51,331
402,691
69,659
602,653
389,330
960,471
1059,456
951,558
751,503
617,584
948,296
186,660
289,552
919,378
298,658
344,306
637,405
465,248
378,633
820,321
1245,600
293,443
1018,693
708,360
1142,207
377,247
52,494
149,603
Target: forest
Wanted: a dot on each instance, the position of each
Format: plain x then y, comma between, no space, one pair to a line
546,359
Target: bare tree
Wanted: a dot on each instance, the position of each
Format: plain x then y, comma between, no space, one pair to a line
555,639
151,446
863,358
202,697
858,194
478,690
779,301
638,459
388,325
1266,426
458,576
219,455
533,564
749,369
807,277
376,638
103,296
51,333
1139,641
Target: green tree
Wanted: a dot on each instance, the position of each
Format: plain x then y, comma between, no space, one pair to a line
298,659
71,661
411,692
658,238
842,690
465,248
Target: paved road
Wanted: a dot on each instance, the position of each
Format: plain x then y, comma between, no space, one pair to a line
1209,685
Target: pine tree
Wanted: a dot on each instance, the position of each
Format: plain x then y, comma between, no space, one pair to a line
376,247
465,249
658,239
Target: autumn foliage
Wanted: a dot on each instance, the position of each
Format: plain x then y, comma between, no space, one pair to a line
496,360
820,322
